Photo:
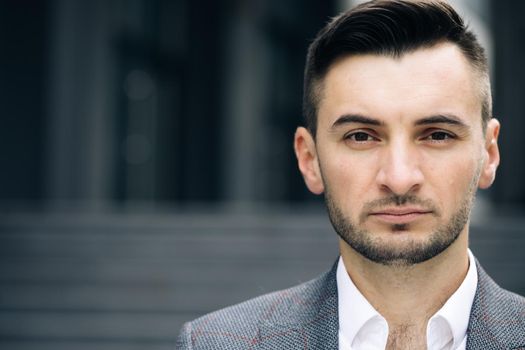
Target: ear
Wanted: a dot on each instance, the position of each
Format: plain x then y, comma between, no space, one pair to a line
306,153
491,161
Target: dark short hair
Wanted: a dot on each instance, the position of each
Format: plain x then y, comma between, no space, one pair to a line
390,28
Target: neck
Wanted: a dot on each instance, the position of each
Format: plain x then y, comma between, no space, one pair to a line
409,295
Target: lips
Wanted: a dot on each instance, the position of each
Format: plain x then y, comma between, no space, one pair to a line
400,215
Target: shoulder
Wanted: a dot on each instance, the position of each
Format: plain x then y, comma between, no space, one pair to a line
497,302
497,314
238,326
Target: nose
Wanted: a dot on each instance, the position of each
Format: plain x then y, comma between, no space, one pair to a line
399,172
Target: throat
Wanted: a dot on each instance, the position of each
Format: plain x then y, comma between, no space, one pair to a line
407,337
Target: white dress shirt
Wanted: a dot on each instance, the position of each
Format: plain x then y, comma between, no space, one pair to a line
362,327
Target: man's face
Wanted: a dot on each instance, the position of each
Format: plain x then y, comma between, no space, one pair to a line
399,152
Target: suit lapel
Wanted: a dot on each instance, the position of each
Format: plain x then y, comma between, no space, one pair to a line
480,336
310,321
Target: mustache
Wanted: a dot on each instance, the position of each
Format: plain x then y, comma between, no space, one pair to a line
398,200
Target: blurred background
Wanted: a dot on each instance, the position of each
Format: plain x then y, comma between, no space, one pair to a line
147,174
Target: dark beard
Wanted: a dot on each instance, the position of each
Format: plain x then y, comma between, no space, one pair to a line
415,252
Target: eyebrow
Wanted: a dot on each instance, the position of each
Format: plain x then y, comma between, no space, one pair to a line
435,119
355,118
441,119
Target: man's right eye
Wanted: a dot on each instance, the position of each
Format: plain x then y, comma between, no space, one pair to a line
359,136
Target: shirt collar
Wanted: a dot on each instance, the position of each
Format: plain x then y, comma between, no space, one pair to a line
451,320
354,310
456,310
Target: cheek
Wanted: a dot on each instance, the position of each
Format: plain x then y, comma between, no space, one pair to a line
349,178
452,177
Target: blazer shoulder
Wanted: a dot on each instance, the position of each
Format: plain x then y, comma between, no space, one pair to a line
497,315
493,300
237,326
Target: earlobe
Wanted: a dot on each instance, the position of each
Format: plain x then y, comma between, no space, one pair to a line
492,157
306,153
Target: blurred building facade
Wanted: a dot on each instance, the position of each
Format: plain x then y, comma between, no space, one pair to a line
154,101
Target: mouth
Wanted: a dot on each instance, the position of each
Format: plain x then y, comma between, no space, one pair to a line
400,215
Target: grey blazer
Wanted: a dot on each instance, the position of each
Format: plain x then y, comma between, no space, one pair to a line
305,317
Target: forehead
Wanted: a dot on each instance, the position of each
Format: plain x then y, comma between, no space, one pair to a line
429,81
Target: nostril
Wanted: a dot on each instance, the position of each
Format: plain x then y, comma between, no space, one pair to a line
400,182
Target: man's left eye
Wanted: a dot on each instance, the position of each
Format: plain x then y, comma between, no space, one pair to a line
440,136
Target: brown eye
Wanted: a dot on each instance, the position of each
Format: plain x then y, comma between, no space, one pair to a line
360,136
440,136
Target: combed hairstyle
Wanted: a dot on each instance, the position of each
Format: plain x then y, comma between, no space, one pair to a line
390,28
